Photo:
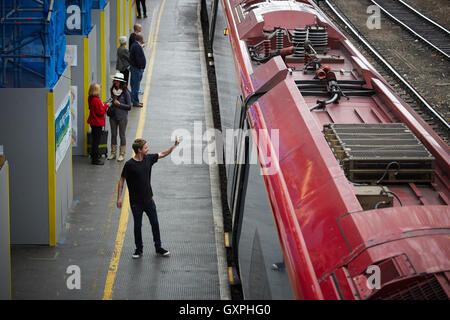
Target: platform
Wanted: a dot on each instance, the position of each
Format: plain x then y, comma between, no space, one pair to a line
97,237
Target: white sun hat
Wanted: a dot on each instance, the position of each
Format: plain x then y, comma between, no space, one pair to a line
119,77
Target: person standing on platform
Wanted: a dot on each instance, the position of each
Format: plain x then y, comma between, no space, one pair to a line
137,28
137,66
121,102
97,111
123,58
140,3
137,172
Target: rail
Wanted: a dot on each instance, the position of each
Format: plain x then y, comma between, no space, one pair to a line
388,66
409,18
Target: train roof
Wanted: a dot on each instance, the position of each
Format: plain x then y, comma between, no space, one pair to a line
324,96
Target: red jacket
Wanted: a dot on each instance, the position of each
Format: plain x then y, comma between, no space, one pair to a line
97,112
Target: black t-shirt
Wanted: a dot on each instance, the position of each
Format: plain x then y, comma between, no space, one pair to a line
131,40
138,175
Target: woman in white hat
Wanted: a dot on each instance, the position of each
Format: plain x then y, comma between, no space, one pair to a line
121,103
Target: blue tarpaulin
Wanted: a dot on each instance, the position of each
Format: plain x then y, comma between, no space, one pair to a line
32,43
57,44
99,4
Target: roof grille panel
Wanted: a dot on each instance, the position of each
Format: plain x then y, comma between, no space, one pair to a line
367,152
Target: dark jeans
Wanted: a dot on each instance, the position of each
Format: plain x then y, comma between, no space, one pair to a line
135,83
96,134
150,209
138,6
122,124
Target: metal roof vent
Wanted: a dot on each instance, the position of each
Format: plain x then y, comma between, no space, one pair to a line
385,152
423,288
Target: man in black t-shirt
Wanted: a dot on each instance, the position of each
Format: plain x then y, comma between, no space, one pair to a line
137,172
137,28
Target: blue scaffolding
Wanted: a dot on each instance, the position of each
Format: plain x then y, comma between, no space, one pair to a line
32,43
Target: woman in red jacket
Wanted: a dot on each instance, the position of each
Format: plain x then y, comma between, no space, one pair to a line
97,111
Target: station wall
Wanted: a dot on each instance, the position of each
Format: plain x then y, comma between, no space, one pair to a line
23,128
37,167
83,73
40,174
101,19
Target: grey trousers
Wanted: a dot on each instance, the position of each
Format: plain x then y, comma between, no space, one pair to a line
122,124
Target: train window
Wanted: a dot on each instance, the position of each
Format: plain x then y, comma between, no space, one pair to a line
241,176
258,251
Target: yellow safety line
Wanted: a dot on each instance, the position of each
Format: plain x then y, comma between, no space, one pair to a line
152,47
123,222
51,168
230,275
227,240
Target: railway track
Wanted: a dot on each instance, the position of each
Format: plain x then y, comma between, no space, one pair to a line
379,58
422,27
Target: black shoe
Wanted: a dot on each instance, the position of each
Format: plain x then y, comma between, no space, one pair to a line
98,162
145,16
162,252
138,17
137,254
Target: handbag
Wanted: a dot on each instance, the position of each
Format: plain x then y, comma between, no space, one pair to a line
111,112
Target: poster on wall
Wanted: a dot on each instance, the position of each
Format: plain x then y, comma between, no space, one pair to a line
73,113
63,129
70,56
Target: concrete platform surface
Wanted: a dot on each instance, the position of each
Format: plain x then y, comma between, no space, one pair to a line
175,98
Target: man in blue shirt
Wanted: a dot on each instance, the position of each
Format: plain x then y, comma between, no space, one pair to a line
137,66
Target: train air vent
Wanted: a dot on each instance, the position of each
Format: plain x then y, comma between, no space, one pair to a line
380,153
424,288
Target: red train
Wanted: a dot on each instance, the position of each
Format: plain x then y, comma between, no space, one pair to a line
349,196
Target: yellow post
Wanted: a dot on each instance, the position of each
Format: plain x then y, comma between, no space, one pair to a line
86,90
118,22
9,230
51,168
130,7
124,19
103,53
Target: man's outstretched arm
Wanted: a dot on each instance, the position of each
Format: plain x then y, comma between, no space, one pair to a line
119,192
165,153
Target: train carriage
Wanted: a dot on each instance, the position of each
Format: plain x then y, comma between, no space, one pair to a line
337,188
